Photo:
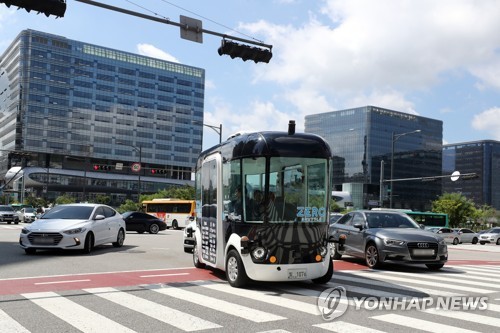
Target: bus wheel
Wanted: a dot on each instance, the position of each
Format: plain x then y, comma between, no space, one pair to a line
196,258
235,271
175,225
327,277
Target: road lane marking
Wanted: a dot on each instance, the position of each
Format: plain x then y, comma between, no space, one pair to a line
10,325
57,282
217,304
74,314
262,296
342,326
165,314
420,324
156,275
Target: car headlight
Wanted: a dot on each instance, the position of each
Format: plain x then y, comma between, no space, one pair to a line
259,253
442,241
75,231
394,242
25,231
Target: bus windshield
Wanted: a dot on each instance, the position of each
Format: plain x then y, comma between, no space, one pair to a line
429,219
296,190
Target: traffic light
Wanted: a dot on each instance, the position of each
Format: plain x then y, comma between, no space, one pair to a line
245,52
98,167
48,7
158,171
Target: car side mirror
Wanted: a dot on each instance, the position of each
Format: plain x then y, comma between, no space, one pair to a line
422,226
358,226
99,217
439,232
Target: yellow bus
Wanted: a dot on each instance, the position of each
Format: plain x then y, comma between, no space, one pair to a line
176,213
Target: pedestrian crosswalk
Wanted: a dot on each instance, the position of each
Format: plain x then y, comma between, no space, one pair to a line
265,307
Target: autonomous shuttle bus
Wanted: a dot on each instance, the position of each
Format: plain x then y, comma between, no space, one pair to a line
262,208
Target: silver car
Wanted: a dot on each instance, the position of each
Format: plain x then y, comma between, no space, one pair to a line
466,235
74,227
490,236
387,236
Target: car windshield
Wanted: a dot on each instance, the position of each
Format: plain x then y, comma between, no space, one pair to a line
126,214
6,209
69,212
29,210
387,220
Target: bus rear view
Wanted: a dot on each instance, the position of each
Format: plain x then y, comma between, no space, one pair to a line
262,208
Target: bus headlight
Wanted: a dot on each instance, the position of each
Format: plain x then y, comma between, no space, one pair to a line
259,253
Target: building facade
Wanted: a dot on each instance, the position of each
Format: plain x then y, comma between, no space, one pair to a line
85,120
365,141
481,158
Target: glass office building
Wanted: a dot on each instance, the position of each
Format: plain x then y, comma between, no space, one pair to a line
86,120
481,158
364,140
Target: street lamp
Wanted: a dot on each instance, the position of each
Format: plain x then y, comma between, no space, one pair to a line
217,129
395,137
139,150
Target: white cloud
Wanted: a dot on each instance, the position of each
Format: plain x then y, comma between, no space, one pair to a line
382,51
152,51
488,121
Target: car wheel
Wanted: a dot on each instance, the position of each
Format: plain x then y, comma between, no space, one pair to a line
175,225
17,222
335,253
482,243
474,240
89,243
371,256
327,277
30,251
154,228
196,258
455,241
498,241
235,271
119,239
434,267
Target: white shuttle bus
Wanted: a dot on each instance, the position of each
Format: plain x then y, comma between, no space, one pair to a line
262,208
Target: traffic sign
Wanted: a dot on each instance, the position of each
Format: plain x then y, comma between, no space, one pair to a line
136,167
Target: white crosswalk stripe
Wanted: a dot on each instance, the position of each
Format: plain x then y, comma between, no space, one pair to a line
216,305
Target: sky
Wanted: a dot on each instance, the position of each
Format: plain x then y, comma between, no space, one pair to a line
436,59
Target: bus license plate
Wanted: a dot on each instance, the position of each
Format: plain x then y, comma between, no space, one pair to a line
294,274
423,252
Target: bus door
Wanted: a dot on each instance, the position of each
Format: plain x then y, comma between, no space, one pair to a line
211,228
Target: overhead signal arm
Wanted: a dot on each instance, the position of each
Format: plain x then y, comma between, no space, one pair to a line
192,29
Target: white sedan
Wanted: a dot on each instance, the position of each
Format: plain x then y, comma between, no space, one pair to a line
74,227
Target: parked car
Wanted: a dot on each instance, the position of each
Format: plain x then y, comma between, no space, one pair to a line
188,238
7,214
74,227
491,236
466,235
143,222
27,214
448,234
387,236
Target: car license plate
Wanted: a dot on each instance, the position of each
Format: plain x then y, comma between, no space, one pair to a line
294,274
43,240
423,252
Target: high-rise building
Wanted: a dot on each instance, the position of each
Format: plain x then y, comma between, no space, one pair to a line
481,158
367,139
85,120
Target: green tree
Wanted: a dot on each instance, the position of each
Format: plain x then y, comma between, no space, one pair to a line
457,206
128,206
65,199
102,199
